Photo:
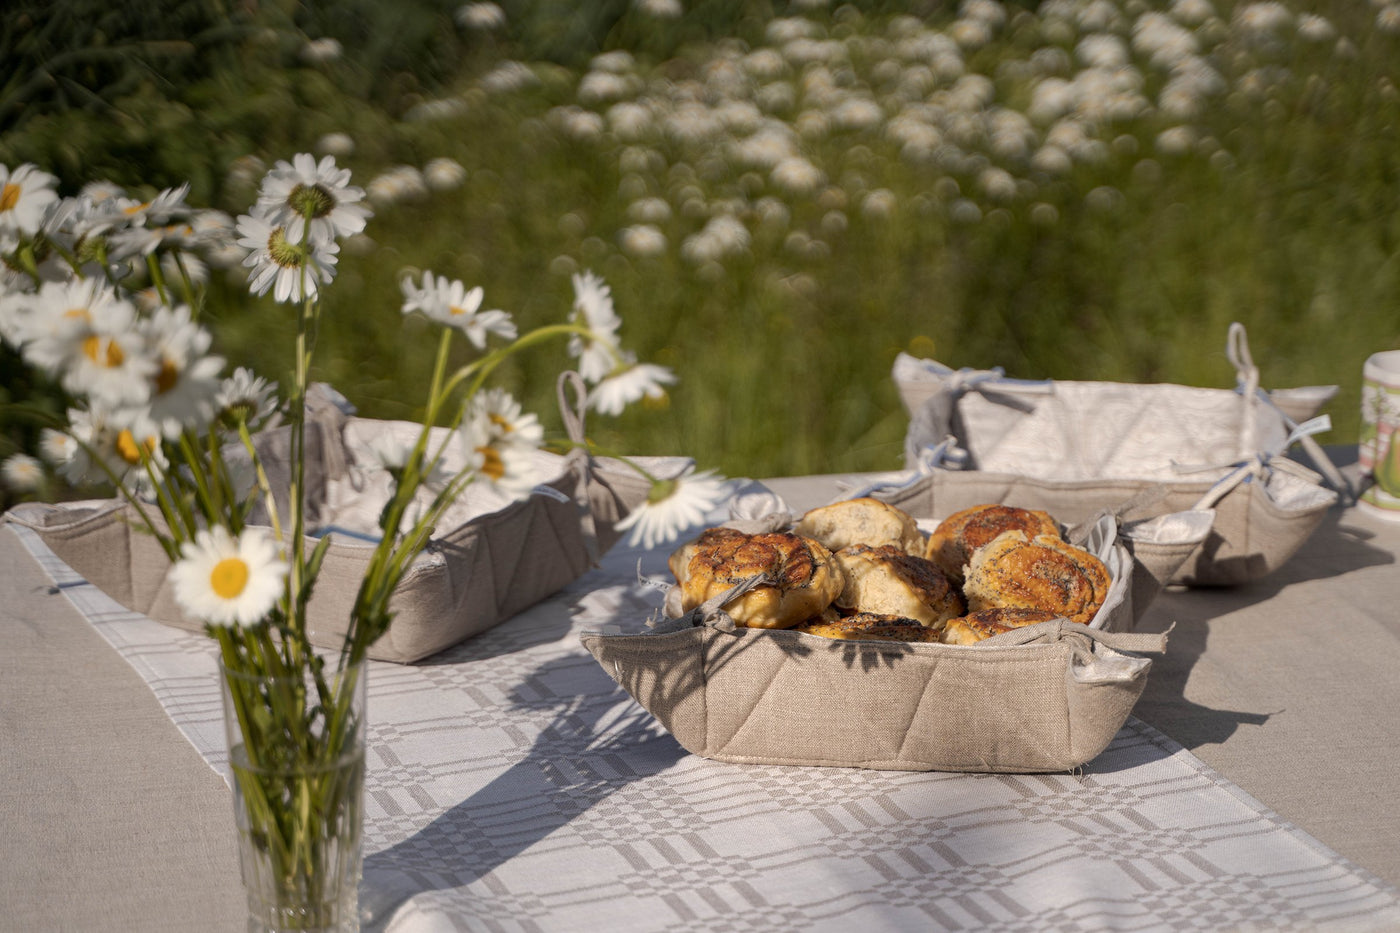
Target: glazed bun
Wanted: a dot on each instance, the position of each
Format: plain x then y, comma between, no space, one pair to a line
679,561
870,626
804,576
984,623
861,521
952,543
887,581
1042,573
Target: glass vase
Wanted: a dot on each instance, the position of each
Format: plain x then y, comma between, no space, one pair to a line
297,753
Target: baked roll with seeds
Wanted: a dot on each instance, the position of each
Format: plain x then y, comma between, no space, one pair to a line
870,626
887,581
803,577
1036,573
861,521
984,623
951,544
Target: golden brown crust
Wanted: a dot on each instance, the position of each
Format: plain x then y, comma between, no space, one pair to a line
952,543
679,561
1044,573
870,626
886,580
984,623
804,578
861,521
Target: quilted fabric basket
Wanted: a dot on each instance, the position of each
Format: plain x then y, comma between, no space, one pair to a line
492,558
1046,697
1076,449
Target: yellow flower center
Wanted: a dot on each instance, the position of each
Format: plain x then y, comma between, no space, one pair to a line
500,422
167,377
129,449
456,311
78,314
286,254
103,351
229,577
491,463
9,197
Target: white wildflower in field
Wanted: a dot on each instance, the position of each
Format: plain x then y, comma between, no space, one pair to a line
229,580
1191,12
1388,19
797,175
972,93
25,195
86,337
673,505
776,97
804,51
1052,160
601,87
1262,21
1051,99
771,144
764,64
740,116
772,212
651,210
991,12
593,307
857,113
879,204
504,418
642,240
971,34
813,124
450,302
187,379
1185,95
509,77
498,460
694,123
444,174
1162,41
661,9
1099,16
337,144
630,120
964,211
786,29
442,108
997,183
22,473
1044,215
1102,50
1175,140
722,237
809,4
481,17
321,50
1315,28
56,447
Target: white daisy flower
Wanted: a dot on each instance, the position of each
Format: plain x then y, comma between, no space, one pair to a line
100,447
25,194
629,383
482,16
509,467
673,505
444,174
56,447
229,580
293,271
187,380
246,396
504,419
22,473
87,337
597,353
294,191
450,302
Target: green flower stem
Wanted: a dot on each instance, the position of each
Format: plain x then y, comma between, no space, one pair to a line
264,485
158,278
479,370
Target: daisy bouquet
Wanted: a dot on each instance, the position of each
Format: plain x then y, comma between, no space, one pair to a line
103,293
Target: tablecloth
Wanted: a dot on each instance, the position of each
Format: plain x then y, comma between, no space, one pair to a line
513,786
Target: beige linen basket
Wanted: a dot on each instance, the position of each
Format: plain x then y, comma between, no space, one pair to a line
492,558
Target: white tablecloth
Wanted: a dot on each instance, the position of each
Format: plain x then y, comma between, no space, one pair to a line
513,786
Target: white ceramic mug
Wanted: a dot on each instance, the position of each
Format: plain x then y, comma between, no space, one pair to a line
1378,450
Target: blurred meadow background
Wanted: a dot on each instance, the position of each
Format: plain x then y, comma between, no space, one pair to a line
781,195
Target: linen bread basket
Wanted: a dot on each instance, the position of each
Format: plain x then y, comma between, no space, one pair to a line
1047,697
1076,449
492,558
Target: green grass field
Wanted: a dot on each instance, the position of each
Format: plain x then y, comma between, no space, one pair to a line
782,196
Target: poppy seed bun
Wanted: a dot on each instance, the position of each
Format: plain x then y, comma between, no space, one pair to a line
951,544
887,581
870,626
1044,573
861,521
679,561
984,623
804,576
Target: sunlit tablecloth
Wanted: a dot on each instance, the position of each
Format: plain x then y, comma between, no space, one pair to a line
513,786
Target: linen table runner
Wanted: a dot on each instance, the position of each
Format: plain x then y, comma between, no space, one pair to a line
512,786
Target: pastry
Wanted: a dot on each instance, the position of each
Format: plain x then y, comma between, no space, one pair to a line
984,623
679,561
1041,573
802,577
870,626
951,544
861,521
888,581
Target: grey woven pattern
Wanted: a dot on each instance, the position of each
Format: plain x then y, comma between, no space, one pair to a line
513,787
